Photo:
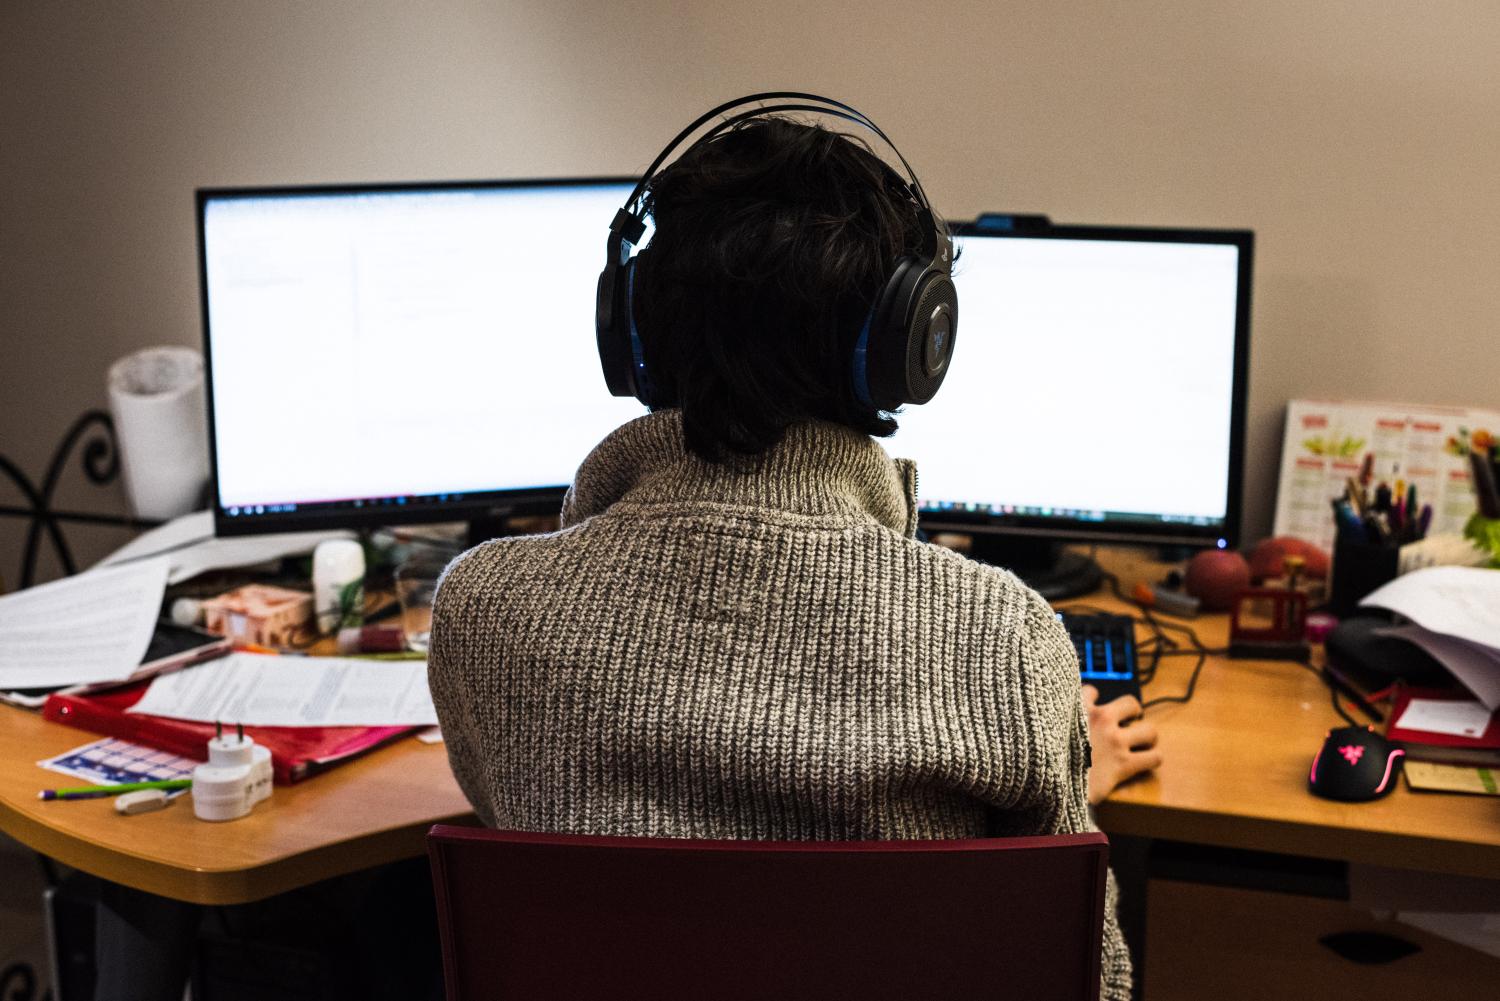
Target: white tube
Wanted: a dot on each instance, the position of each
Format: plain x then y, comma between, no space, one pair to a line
156,398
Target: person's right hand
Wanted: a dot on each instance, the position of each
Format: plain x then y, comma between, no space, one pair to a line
1123,744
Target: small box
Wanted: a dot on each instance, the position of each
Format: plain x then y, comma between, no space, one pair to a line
259,613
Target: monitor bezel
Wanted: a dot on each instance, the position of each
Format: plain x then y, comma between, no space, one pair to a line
481,506
1068,529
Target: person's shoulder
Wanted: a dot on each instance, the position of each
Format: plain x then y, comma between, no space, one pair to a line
486,569
1003,605
956,570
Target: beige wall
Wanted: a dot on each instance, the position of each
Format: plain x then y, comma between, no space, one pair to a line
1360,140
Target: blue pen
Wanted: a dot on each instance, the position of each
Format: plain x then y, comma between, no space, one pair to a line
1348,523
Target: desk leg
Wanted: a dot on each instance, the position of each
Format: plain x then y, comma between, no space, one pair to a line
143,944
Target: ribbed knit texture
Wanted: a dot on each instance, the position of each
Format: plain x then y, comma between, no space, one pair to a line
761,652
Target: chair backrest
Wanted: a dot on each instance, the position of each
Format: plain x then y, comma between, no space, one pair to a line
544,916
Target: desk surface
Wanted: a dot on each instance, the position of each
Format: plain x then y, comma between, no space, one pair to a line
370,811
1235,776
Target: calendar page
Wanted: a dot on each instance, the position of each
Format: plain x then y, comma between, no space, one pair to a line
1326,444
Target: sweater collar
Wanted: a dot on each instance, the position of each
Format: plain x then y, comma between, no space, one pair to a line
816,469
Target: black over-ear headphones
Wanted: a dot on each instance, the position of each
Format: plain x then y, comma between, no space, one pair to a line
906,342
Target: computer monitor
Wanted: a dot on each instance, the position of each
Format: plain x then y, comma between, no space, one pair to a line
1097,394
402,353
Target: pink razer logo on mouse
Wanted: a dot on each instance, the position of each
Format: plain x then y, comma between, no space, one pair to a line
1352,753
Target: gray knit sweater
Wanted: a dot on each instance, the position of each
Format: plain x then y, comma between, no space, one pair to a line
761,653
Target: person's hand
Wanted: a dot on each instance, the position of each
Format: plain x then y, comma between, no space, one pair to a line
1123,743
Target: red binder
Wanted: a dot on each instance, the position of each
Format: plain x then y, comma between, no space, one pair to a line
1421,745
296,751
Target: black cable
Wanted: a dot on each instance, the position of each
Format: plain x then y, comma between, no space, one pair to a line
1332,691
1339,708
1191,685
1160,644
1199,648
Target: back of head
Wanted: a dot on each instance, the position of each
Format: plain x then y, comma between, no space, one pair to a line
772,242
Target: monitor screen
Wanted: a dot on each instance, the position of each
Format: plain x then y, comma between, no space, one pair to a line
387,354
1097,388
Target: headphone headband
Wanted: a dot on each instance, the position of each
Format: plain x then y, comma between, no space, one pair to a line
826,106
901,355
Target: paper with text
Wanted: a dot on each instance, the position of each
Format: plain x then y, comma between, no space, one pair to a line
1460,719
267,690
1458,601
87,628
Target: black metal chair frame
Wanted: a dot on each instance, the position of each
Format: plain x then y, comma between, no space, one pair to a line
101,464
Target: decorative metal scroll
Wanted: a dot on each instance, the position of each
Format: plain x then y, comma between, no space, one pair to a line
101,464
18,982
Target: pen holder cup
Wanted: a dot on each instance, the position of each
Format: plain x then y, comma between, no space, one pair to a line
1358,569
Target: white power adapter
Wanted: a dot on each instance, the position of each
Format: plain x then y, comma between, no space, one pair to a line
236,776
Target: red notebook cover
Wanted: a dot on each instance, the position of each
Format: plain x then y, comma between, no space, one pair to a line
1429,746
296,751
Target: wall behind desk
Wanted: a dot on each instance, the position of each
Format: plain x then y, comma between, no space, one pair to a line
1361,143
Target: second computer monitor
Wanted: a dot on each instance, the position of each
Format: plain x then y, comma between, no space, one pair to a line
1097,390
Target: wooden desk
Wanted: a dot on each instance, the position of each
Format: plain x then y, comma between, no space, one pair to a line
370,811
1235,776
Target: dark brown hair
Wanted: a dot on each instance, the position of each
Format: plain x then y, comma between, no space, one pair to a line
771,242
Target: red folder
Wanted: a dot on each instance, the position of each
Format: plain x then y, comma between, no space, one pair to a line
1423,745
296,751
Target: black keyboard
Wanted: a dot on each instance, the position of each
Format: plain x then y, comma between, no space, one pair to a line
1106,652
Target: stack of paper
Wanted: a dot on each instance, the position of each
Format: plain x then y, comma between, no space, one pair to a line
83,629
267,690
1455,617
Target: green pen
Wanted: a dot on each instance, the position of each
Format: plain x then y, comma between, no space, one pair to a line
96,792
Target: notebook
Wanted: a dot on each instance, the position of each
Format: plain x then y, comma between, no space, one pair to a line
1479,747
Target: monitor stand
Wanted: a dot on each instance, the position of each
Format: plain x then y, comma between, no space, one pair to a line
493,525
1046,567
521,519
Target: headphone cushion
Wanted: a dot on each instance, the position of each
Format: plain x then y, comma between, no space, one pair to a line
931,333
612,330
906,358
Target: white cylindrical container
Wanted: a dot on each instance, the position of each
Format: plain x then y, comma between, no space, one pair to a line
236,777
156,399
221,792
338,582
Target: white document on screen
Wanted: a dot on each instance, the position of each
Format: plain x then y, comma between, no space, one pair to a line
87,628
268,690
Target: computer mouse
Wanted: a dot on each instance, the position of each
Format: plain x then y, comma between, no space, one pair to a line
1354,764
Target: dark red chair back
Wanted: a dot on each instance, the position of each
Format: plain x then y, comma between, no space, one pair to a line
553,916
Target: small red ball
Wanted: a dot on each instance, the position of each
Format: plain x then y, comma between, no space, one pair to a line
1216,577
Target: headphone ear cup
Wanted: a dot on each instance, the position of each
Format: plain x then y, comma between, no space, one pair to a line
884,354
910,338
640,380
612,329
931,332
